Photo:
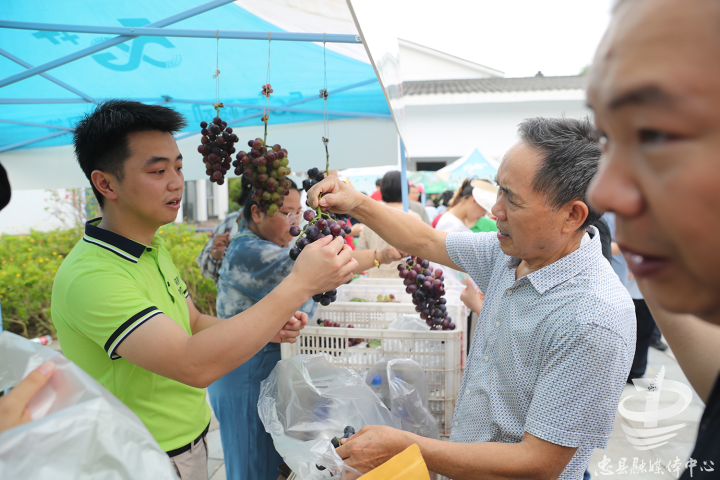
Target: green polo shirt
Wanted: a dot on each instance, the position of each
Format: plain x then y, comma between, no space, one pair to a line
106,288
484,224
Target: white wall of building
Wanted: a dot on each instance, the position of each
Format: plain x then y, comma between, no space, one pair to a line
201,211
26,211
453,130
221,200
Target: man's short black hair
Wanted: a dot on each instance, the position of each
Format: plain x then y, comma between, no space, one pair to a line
101,137
571,154
378,182
390,188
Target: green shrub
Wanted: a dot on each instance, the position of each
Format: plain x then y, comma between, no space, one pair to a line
234,191
29,263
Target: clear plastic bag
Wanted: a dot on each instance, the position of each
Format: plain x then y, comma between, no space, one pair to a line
305,402
79,429
409,322
402,385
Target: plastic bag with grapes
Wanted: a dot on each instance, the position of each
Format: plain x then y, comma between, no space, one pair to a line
305,402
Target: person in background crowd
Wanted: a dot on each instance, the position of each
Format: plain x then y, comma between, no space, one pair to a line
369,240
413,192
256,262
656,338
546,371
645,322
485,223
472,201
605,238
377,195
415,206
465,209
121,309
211,257
430,208
445,199
654,87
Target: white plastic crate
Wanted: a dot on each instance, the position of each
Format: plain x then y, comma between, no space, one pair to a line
371,291
377,281
440,353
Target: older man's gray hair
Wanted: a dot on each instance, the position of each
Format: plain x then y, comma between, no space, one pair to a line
571,154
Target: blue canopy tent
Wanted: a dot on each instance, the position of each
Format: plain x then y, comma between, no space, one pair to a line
58,59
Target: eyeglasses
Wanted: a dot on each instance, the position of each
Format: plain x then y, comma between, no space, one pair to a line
290,218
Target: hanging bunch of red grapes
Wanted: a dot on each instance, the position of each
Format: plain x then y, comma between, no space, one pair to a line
267,169
426,286
218,142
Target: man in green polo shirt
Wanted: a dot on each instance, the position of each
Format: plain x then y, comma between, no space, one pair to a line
120,307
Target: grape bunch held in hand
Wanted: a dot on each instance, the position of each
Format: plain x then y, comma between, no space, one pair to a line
218,142
314,176
267,169
319,226
427,289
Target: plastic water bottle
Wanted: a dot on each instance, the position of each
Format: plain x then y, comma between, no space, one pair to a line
377,386
44,340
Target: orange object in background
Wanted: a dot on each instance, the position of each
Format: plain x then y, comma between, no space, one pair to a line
408,465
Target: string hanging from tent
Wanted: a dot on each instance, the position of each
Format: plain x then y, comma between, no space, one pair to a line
266,91
218,104
326,117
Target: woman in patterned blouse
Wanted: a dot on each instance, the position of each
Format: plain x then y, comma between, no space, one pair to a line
256,261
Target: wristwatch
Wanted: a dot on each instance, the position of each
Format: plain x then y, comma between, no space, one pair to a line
377,263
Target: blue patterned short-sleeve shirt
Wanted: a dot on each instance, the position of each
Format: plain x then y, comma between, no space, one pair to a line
252,268
551,351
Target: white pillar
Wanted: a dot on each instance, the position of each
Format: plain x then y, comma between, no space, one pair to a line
222,203
201,213
180,217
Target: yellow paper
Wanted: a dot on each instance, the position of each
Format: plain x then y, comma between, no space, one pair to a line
408,465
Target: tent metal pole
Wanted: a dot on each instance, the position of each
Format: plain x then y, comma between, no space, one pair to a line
336,113
64,85
403,177
290,104
110,43
40,101
181,32
32,140
43,125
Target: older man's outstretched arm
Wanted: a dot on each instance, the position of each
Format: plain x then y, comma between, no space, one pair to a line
402,231
532,458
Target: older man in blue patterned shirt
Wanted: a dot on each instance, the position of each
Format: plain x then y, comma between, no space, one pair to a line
556,335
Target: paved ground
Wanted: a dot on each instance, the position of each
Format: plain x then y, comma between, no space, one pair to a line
216,461
680,446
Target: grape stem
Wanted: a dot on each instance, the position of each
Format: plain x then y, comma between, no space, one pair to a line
327,160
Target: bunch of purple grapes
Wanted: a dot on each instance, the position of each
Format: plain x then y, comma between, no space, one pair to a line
427,289
319,226
330,323
314,176
267,169
217,145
